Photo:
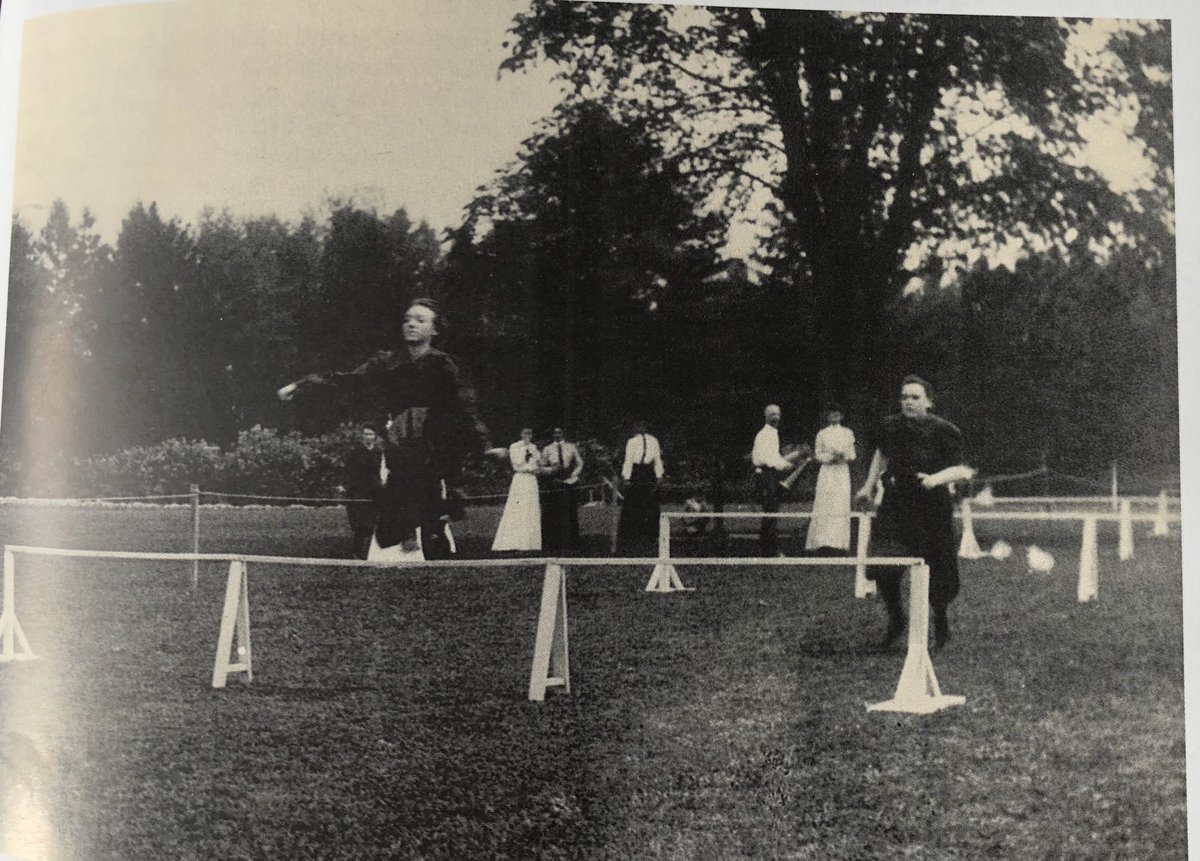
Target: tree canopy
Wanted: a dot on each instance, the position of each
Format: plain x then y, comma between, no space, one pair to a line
878,139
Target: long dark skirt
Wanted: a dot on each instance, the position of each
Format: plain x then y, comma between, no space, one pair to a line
640,508
411,498
913,521
560,516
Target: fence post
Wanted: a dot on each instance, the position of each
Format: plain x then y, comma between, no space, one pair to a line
1115,489
195,493
1125,531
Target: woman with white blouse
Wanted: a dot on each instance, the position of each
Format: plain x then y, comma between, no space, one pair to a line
521,523
642,471
834,449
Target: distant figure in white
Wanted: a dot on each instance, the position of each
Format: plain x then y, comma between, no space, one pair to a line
521,524
833,449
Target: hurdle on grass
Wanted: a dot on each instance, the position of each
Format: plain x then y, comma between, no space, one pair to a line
917,690
1089,579
664,578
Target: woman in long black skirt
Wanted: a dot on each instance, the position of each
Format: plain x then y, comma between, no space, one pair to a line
918,456
642,471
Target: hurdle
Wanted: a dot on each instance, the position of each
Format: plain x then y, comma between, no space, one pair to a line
664,577
916,692
1089,580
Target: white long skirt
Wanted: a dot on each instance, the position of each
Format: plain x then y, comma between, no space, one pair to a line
521,523
830,525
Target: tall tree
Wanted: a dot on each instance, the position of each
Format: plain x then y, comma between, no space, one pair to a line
579,247
876,137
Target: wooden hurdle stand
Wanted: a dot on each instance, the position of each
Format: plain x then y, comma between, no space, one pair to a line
664,578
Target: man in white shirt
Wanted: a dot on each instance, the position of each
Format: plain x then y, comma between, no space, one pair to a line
770,467
560,507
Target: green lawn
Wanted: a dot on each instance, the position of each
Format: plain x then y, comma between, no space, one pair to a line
388,716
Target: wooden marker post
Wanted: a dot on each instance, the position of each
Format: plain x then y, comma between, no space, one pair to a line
235,620
1125,541
863,588
195,492
551,659
15,646
1089,575
918,691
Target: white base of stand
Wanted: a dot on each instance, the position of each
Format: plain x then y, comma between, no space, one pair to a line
920,706
666,579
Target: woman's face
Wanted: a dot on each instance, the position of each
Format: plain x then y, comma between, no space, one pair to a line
835,417
914,403
419,325
527,435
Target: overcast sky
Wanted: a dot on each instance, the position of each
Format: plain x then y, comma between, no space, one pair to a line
269,107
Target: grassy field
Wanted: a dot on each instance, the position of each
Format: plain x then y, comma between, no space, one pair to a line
388,716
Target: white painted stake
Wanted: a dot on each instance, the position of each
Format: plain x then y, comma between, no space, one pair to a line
235,620
1089,575
968,548
664,577
918,691
1160,520
10,629
863,587
1125,531
550,653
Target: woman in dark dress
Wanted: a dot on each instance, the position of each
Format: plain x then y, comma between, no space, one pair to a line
918,455
432,423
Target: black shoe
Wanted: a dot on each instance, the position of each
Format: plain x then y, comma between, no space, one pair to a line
895,628
941,630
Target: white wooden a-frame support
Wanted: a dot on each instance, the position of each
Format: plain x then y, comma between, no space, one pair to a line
1125,532
1160,520
863,588
918,692
1089,572
15,646
235,619
551,659
664,577
968,548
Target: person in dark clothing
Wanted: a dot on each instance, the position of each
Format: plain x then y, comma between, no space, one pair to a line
432,423
641,472
918,455
363,482
562,467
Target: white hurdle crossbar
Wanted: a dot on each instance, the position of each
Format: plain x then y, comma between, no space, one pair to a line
664,577
916,692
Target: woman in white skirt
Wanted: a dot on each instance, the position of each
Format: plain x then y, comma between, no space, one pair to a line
521,524
834,449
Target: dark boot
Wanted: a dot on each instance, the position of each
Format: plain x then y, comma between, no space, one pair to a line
941,627
897,621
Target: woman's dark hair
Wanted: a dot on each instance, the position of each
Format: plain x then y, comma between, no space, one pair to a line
439,322
920,381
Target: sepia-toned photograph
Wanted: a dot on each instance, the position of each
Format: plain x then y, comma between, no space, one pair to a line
571,429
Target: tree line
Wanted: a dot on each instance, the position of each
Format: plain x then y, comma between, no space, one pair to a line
589,283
